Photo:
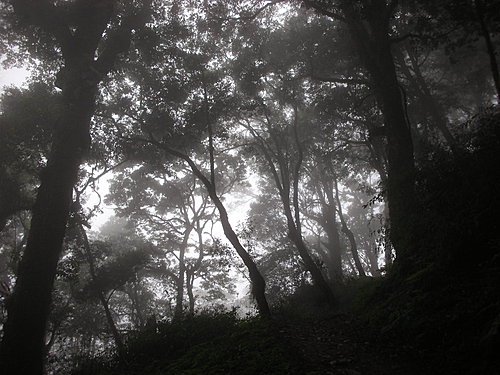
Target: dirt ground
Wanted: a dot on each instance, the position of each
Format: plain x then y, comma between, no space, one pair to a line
340,345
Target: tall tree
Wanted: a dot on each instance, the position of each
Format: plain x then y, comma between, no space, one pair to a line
281,149
90,36
369,25
173,210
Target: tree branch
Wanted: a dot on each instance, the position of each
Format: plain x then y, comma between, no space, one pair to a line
119,40
323,11
46,16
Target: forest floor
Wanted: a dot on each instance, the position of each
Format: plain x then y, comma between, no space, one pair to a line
438,331
341,345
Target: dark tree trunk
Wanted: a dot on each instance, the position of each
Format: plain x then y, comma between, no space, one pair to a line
369,26
422,90
179,299
190,273
354,248
189,289
21,351
24,331
490,47
328,221
333,245
371,36
294,225
258,282
316,274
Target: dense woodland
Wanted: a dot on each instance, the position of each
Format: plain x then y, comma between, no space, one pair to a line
299,187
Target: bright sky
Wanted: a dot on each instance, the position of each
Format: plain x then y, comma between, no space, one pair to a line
13,76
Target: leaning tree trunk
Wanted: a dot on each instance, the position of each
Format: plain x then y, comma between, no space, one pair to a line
258,282
295,235
305,254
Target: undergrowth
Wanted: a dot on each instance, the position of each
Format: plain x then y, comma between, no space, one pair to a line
209,343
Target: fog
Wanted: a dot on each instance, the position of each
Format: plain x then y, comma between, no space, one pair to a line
249,187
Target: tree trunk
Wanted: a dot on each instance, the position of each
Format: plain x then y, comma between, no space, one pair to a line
24,331
190,274
349,234
100,294
21,351
423,91
296,237
371,36
490,47
334,249
258,282
179,299
328,222
189,288
284,185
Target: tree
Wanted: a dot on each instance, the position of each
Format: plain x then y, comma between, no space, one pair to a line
282,152
186,117
76,30
266,233
369,28
172,209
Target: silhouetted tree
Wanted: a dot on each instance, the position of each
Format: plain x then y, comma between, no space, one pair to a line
75,29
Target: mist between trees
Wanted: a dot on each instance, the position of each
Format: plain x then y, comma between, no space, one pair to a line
359,138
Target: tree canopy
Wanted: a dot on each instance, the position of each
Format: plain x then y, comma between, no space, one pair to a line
255,153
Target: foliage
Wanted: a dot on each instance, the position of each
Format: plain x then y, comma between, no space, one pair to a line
290,94
213,342
459,194
448,306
